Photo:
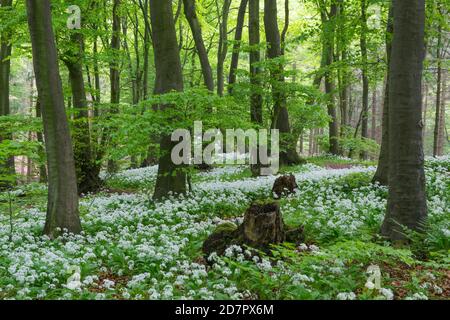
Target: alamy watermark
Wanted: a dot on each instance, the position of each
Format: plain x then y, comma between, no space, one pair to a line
74,20
374,277
250,147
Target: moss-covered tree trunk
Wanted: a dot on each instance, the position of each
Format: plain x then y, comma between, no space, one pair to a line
62,207
86,166
171,178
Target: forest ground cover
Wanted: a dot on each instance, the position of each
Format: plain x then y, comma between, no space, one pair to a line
133,248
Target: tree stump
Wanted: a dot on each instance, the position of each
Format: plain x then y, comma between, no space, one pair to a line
284,186
263,226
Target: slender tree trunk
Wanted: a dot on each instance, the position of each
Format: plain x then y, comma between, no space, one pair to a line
365,77
280,121
42,167
373,128
62,207
311,142
223,47
343,74
407,205
5,71
286,27
437,123
191,17
98,91
328,47
256,101
147,33
86,168
237,45
442,128
171,178
425,111
382,173
114,73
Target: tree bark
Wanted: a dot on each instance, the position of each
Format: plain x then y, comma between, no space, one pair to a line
407,205
62,207
171,178
237,45
191,16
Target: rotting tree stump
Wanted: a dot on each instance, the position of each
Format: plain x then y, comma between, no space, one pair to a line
263,226
284,186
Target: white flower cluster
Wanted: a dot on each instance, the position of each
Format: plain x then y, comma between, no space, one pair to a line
150,246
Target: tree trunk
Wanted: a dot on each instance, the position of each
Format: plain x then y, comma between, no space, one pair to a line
223,47
191,17
425,111
407,205
86,168
237,45
328,47
5,71
437,124
147,32
42,168
286,27
373,128
62,207
171,178
98,91
343,74
114,70
443,137
255,58
280,121
365,77
382,173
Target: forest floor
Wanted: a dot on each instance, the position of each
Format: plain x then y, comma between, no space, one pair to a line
132,248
